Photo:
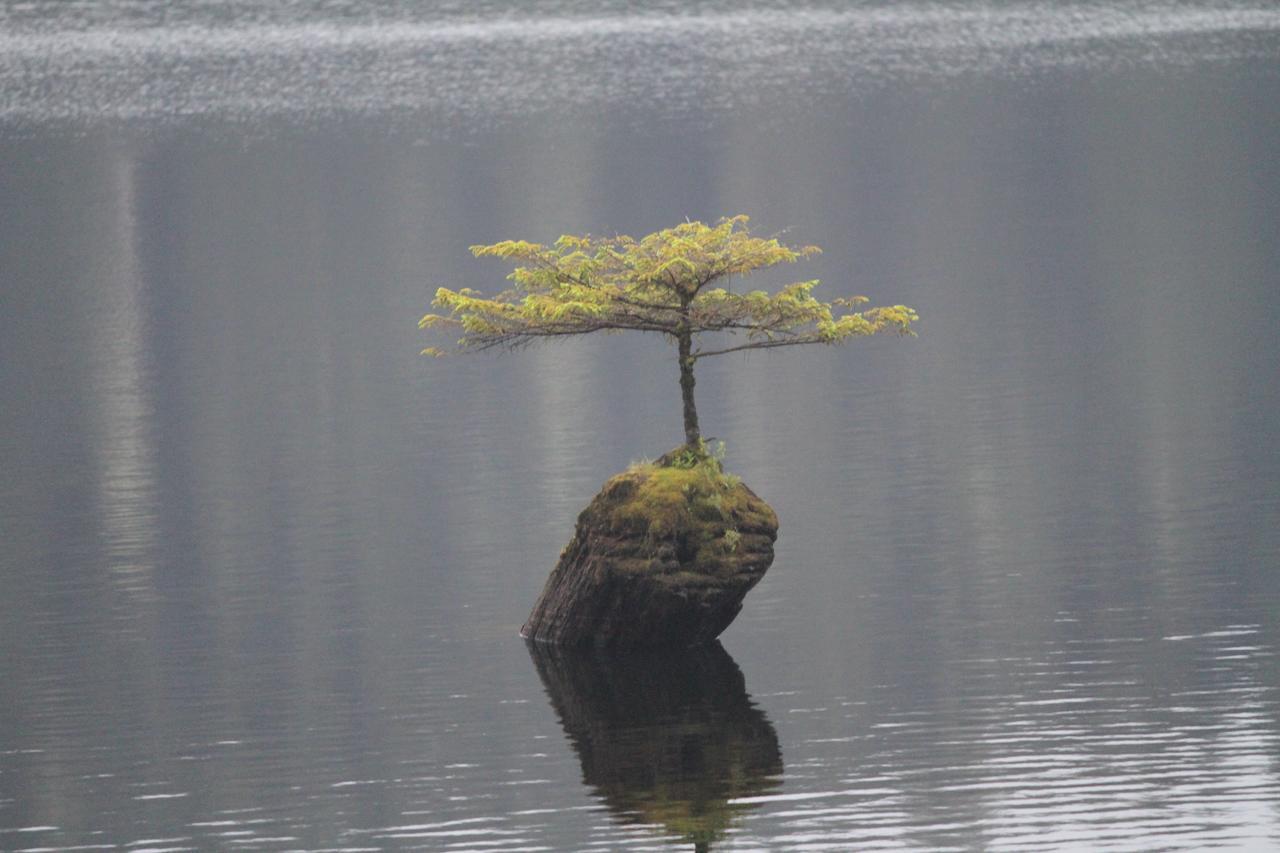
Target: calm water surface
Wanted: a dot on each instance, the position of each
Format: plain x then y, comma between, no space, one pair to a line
263,565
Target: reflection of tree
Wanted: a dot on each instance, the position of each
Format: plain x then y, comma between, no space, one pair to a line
666,738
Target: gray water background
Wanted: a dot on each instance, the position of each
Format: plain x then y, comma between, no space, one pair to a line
263,565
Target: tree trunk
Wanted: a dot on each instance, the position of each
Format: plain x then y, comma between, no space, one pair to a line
692,436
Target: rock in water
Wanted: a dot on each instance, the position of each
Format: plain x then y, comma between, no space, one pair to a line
662,556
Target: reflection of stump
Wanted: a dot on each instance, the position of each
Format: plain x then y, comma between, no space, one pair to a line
662,556
665,739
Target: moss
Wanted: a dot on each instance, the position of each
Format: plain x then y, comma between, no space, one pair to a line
670,517
666,501
718,554
632,565
691,580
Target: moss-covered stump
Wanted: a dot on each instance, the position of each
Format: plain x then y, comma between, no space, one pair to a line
663,556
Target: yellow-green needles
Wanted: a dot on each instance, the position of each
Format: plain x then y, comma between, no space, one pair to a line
670,282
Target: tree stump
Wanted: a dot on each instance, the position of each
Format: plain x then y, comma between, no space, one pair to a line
662,556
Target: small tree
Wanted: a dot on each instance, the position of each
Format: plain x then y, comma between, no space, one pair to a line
668,282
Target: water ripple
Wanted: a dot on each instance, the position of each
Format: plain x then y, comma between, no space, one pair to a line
53,68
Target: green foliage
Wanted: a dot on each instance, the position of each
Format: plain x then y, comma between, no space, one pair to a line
692,456
667,282
686,458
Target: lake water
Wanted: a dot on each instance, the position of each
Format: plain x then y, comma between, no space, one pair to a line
264,566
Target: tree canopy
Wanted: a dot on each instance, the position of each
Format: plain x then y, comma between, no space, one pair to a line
671,282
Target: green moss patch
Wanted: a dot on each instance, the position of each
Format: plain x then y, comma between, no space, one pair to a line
690,514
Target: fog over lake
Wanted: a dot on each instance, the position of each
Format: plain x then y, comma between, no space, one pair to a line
264,565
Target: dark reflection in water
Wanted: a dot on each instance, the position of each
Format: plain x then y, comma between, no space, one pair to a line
664,738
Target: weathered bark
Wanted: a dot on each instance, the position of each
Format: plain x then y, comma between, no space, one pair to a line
677,579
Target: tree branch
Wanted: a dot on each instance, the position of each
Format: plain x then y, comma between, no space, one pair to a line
638,303
789,342
513,337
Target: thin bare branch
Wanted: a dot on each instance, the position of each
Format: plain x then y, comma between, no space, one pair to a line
789,342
